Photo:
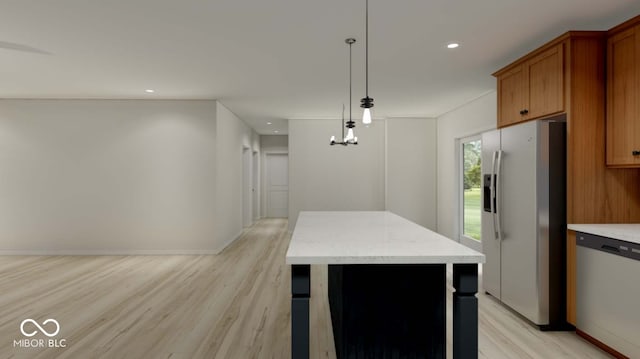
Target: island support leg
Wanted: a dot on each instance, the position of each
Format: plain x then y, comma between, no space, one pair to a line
465,311
300,293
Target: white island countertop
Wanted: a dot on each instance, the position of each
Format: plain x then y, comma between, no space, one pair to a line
629,232
371,238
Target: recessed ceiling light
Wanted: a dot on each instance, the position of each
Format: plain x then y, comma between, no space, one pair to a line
276,131
149,91
453,45
268,123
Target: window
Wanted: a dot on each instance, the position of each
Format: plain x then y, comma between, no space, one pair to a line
470,191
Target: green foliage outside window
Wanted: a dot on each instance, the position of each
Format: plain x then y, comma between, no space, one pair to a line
471,184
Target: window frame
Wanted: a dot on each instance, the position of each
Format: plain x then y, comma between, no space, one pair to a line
462,238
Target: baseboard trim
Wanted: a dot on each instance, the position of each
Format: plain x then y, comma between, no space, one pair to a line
233,239
601,345
128,252
100,252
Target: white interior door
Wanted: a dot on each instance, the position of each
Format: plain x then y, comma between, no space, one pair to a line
255,195
247,197
277,185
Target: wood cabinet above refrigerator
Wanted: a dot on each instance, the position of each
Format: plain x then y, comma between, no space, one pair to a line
532,87
623,95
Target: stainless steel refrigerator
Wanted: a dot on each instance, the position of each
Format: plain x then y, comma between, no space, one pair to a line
524,219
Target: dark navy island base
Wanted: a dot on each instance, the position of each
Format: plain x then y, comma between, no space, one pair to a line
390,310
387,286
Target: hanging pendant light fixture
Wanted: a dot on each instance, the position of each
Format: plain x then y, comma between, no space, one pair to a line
367,102
350,138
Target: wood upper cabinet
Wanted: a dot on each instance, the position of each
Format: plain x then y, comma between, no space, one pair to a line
532,88
546,83
623,97
512,96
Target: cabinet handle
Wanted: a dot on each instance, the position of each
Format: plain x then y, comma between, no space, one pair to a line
524,112
635,153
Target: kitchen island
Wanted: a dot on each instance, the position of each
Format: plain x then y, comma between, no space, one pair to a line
387,286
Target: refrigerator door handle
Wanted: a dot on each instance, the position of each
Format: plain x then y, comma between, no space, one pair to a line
492,189
498,195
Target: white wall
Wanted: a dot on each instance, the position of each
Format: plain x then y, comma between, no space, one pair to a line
106,176
411,169
110,176
473,118
234,135
323,177
274,143
269,144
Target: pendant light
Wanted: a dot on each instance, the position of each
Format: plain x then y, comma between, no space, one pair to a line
367,102
350,138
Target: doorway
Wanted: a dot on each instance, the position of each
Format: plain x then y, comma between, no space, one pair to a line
277,185
247,197
255,193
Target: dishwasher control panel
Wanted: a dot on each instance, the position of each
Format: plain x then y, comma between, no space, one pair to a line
609,245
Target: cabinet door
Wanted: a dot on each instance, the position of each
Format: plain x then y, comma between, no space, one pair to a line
546,83
623,91
512,87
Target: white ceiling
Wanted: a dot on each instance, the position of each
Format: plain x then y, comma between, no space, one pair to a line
280,59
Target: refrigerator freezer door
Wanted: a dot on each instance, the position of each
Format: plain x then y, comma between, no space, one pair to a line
490,243
519,248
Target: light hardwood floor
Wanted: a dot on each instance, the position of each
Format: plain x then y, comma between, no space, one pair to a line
231,305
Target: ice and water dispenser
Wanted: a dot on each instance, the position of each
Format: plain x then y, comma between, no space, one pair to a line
486,193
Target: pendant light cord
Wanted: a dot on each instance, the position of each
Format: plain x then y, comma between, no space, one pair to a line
350,101
366,46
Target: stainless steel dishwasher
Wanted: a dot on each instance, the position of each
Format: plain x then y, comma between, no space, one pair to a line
608,291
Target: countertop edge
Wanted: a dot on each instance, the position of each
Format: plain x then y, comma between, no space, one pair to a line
387,260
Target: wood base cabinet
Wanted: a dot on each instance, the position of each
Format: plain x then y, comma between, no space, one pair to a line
623,95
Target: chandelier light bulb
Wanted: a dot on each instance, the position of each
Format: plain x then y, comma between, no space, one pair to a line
350,135
366,116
